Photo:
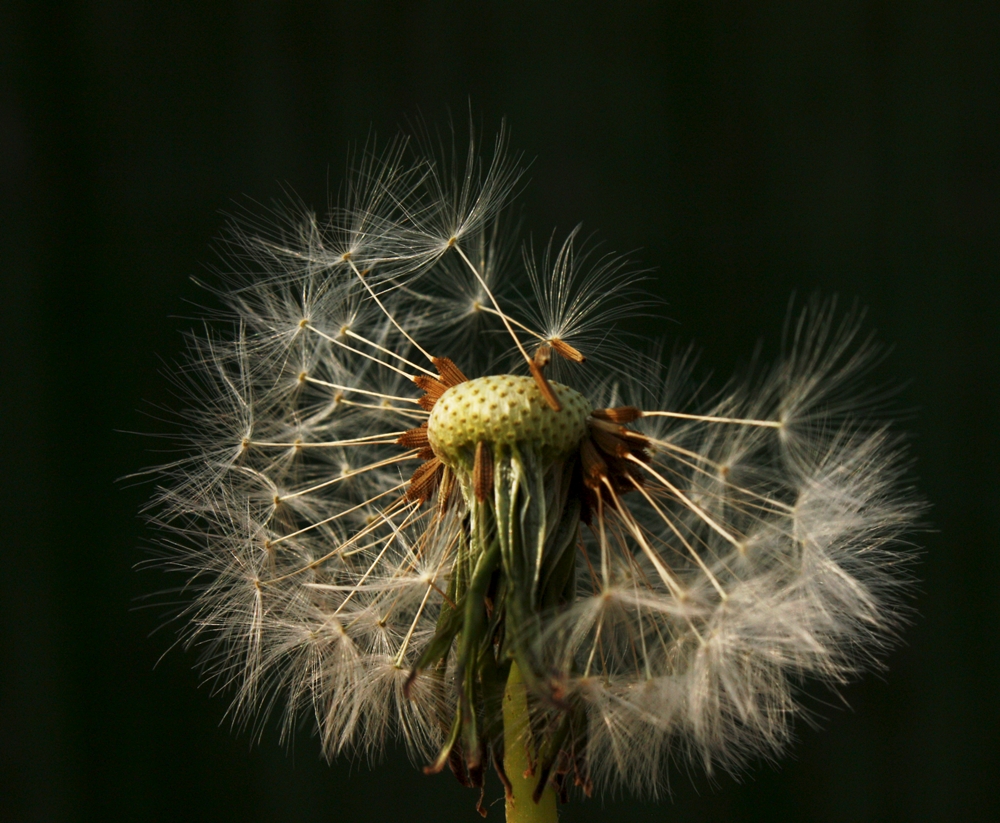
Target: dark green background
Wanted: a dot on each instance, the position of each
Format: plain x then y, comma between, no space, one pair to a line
746,151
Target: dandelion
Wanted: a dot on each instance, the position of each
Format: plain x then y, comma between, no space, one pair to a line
433,492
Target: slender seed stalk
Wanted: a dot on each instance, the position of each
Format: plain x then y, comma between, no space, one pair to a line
518,754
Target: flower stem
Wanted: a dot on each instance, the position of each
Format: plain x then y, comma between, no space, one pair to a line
519,754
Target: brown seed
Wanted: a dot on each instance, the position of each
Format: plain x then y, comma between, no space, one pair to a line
414,438
451,374
424,480
482,472
433,389
564,349
620,414
594,467
444,497
609,442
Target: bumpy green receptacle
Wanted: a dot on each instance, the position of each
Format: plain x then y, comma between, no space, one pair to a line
504,410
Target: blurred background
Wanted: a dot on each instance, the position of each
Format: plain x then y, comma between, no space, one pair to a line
744,152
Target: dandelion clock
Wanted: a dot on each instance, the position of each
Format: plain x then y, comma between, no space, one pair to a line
432,489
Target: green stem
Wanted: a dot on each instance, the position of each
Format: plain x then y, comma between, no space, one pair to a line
519,751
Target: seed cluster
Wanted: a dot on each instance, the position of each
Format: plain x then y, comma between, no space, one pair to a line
504,410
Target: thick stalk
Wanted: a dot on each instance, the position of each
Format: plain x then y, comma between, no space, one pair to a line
518,753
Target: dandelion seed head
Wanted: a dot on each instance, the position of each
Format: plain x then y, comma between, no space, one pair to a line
414,466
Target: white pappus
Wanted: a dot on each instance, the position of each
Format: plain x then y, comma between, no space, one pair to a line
418,468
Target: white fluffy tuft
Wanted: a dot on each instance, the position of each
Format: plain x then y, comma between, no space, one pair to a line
763,546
